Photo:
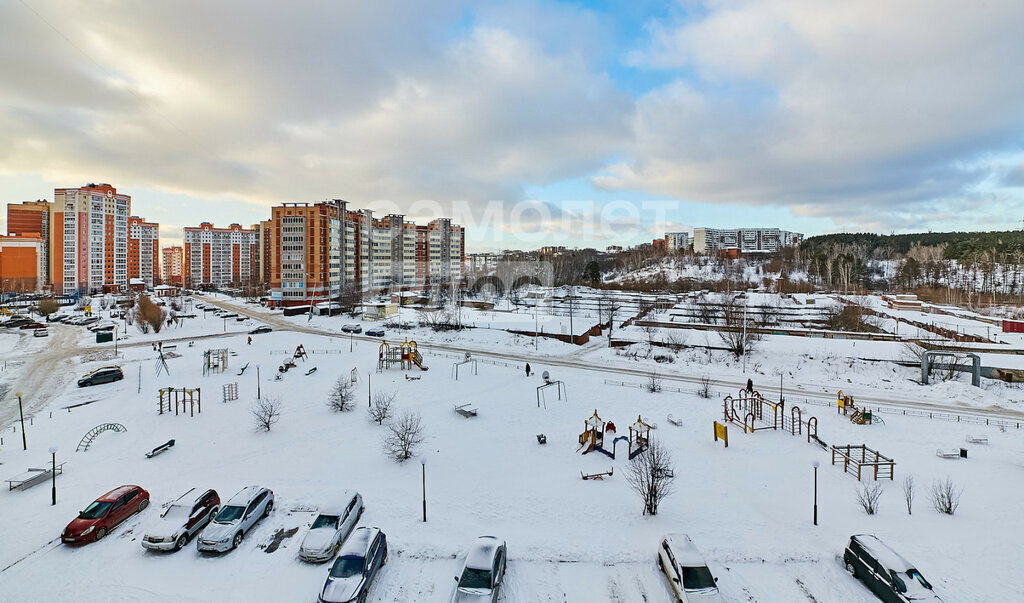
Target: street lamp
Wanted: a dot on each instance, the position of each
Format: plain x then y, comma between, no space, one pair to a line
423,463
53,451
815,465
24,440
258,396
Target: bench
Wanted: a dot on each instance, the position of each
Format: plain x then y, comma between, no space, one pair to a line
32,477
955,453
465,411
977,440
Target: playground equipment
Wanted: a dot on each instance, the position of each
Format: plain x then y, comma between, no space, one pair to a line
405,355
722,433
181,397
855,458
860,416
160,449
88,438
34,475
674,421
464,410
300,352
215,361
542,439
230,391
753,407
977,440
242,372
467,360
558,385
595,429
601,475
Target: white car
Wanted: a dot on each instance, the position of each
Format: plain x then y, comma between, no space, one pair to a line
687,573
331,527
182,520
235,518
483,573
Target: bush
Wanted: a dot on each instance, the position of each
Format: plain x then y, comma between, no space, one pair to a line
48,307
404,435
380,411
342,396
868,496
704,387
945,496
653,384
266,412
150,313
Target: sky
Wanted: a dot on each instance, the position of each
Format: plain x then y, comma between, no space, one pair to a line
535,122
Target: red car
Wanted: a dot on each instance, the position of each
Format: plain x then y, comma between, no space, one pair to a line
105,514
33,325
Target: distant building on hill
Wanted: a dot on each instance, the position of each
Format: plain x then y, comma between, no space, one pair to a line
676,242
744,240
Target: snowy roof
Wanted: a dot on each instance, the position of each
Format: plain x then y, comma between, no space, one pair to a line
481,556
881,551
136,281
338,504
685,551
243,496
359,542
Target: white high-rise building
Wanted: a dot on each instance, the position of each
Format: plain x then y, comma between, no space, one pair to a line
89,239
746,240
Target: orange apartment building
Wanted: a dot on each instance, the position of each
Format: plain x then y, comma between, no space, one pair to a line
21,264
218,257
89,239
305,254
143,251
32,218
170,265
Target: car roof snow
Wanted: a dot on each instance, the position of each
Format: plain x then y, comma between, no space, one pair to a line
883,553
244,496
685,551
481,556
358,544
337,504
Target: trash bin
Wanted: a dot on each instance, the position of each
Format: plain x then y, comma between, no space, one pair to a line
106,337
963,453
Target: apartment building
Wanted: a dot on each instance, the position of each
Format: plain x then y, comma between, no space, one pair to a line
320,251
21,264
746,240
170,264
143,251
89,239
32,218
264,247
218,257
676,242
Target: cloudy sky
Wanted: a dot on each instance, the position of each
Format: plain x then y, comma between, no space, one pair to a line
534,122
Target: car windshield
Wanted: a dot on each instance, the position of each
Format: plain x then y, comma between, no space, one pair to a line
96,509
346,567
229,514
325,521
475,578
696,578
177,512
917,581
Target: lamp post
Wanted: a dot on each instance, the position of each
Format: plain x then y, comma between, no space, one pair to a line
53,452
24,440
423,463
258,396
115,340
815,465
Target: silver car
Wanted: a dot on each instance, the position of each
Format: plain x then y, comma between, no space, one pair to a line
483,573
331,527
687,573
236,517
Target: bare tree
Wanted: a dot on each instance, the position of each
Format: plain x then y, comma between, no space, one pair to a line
651,475
946,496
342,396
266,412
908,492
653,384
738,337
380,411
704,389
868,496
47,307
405,434
150,313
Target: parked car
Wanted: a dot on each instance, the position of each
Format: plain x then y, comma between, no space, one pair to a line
229,315
687,573
375,332
101,327
331,527
891,577
32,325
352,328
90,320
261,329
104,374
236,517
365,552
16,322
104,514
41,333
182,520
483,572
56,317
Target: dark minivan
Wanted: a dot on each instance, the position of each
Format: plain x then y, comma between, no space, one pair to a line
891,577
106,374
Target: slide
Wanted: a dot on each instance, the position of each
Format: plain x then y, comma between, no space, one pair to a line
417,359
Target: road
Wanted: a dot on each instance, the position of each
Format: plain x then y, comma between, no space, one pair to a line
864,396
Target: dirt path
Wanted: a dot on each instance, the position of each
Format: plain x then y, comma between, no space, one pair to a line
44,374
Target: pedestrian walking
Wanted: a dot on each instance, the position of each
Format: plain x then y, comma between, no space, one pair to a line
527,369
250,341
750,385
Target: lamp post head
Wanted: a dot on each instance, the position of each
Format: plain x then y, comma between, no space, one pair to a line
423,461
814,464
53,450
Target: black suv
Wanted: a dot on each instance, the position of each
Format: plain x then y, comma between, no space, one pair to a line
105,374
891,577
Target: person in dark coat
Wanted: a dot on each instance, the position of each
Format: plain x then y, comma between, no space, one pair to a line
750,385
527,369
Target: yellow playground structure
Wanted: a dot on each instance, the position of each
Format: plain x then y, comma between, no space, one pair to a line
860,416
405,355
595,429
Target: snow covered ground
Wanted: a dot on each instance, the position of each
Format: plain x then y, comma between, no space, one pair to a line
748,507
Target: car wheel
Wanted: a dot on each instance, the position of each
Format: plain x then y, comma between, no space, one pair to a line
100,533
143,505
268,509
851,569
237,541
182,541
